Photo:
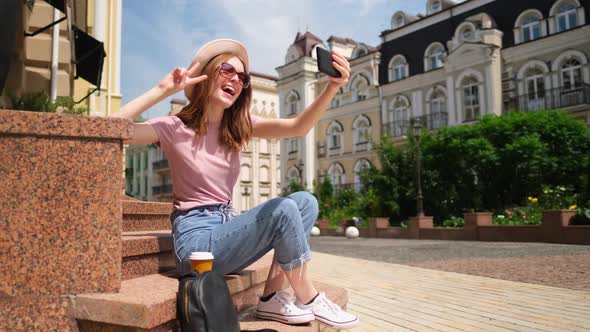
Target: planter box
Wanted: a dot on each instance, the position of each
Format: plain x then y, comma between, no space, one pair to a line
473,219
61,180
553,223
375,224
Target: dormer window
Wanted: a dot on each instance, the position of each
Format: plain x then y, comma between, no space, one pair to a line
398,20
468,33
435,7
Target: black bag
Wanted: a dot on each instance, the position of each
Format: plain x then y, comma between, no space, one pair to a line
203,304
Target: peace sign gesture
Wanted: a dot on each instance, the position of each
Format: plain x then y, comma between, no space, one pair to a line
180,78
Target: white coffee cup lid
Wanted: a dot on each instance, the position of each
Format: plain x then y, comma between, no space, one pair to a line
201,255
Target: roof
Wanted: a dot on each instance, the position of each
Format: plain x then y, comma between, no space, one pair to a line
305,42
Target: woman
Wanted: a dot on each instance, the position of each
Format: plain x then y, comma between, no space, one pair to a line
203,143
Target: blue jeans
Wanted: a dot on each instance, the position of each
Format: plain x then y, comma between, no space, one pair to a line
283,224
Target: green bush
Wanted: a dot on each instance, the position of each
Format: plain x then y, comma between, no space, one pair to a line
454,222
488,166
41,102
582,216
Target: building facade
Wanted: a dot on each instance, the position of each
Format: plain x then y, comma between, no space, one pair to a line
67,60
148,175
449,67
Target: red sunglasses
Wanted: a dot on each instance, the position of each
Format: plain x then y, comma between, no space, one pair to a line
228,71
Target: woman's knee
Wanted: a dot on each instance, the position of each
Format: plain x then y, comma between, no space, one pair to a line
305,201
288,209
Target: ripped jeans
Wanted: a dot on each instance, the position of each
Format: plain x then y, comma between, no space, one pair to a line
283,224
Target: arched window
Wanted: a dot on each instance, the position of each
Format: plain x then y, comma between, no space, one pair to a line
435,55
361,127
264,174
360,51
471,98
398,68
335,132
566,15
337,176
398,20
360,165
246,173
535,88
293,174
435,6
398,116
335,102
292,103
529,25
467,33
360,88
438,109
571,73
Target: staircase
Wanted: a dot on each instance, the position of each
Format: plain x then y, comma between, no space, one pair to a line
147,298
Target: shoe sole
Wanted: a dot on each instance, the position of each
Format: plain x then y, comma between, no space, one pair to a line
347,325
301,319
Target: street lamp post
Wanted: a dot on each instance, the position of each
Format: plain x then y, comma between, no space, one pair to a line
417,127
300,166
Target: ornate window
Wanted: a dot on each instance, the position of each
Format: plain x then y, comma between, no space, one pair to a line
398,116
471,98
398,68
398,20
438,109
360,88
530,25
566,15
292,145
335,132
292,103
336,174
264,174
535,88
293,174
246,173
435,55
361,128
571,73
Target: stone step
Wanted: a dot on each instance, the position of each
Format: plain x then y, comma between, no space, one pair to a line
145,216
146,252
148,303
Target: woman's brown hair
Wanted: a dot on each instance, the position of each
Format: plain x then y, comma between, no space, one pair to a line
236,127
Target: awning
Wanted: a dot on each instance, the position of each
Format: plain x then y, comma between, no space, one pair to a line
89,57
59,5
9,11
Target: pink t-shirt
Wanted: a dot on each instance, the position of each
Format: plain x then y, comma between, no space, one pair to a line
204,172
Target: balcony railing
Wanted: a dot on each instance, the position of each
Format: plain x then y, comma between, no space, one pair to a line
434,121
160,164
162,190
396,128
551,99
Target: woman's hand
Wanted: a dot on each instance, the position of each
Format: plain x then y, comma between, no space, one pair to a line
180,78
342,65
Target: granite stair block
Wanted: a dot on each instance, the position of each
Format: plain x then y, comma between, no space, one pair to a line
145,216
145,253
148,303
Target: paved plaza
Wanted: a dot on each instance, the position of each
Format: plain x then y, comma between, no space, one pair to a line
390,295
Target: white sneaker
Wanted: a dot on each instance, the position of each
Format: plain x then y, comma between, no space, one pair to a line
330,313
281,308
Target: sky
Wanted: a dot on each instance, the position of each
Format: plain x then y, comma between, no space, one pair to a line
160,35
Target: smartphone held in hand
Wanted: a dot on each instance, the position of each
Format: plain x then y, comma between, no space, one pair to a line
325,63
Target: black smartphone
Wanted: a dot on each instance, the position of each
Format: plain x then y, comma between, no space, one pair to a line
325,62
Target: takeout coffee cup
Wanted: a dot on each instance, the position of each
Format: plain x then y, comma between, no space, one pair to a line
201,261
